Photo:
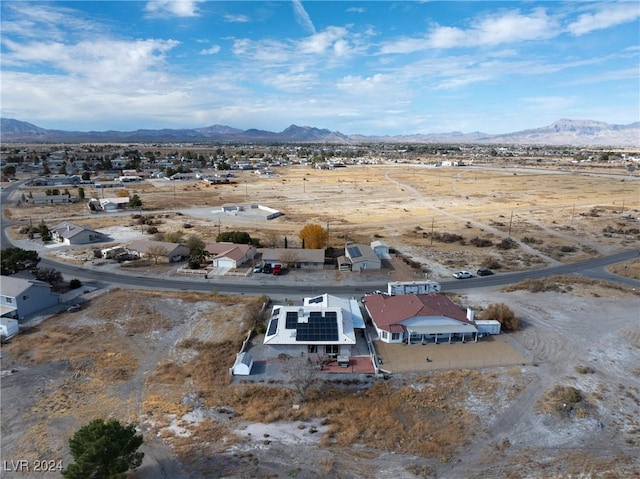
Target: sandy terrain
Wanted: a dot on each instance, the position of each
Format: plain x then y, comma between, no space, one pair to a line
161,361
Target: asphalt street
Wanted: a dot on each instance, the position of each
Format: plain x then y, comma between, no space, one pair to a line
594,268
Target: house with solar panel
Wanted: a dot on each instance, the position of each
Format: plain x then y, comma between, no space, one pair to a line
423,319
324,326
362,257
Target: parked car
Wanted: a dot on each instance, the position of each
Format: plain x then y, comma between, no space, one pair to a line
484,272
257,269
266,269
73,308
462,275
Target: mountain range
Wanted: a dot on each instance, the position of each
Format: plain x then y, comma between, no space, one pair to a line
561,132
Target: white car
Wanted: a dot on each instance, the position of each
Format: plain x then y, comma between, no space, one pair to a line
462,275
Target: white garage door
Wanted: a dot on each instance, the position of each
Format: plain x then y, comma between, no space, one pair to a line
225,263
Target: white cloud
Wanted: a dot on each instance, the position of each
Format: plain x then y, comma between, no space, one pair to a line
235,18
608,15
321,42
489,30
177,8
356,10
302,16
105,61
210,51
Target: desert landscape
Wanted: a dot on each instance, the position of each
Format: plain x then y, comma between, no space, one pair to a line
570,408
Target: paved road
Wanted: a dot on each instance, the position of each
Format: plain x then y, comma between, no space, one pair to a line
593,268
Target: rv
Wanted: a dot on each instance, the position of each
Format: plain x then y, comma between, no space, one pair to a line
413,287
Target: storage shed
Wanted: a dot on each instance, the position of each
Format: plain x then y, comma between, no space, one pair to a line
8,328
487,327
243,365
380,248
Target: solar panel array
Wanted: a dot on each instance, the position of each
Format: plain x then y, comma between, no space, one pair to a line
273,327
317,299
292,320
319,328
354,251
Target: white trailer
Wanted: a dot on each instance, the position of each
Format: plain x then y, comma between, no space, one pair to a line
413,287
8,328
487,327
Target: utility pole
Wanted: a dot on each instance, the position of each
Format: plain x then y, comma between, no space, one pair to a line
572,212
432,220
510,223
327,234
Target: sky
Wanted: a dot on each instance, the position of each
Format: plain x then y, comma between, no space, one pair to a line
358,67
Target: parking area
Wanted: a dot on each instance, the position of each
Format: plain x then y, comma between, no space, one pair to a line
491,351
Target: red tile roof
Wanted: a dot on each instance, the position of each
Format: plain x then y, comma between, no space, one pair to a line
387,312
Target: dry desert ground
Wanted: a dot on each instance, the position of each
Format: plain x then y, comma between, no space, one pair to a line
160,360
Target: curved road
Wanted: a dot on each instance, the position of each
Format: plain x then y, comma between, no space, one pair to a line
592,268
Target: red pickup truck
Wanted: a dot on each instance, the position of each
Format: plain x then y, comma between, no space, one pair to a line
277,269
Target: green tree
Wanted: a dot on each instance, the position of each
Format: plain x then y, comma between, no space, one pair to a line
241,237
197,257
81,193
135,202
104,450
174,236
43,229
9,171
48,275
194,242
17,259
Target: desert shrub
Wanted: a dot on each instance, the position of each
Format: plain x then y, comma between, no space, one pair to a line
531,240
75,283
503,314
585,369
445,237
490,263
481,242
567,249
152,230
565,401
507,243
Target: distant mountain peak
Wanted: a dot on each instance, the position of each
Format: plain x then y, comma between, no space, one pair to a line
561,132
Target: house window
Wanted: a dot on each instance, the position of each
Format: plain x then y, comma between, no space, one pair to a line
332,349
313,348
25,297
384,335
395,336
9,300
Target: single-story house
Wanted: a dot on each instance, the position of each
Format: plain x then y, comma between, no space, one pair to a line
312,329
419,318
230,255
294,257
362,257
170,252
113,204
52,199
70,234
21,297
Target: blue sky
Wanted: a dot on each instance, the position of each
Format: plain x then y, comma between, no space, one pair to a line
351,66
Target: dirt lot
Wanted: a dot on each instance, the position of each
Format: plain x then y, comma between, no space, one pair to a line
160,360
